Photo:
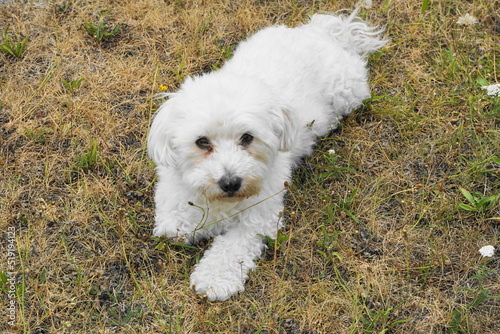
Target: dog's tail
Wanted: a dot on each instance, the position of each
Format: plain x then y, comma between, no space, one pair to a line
351,32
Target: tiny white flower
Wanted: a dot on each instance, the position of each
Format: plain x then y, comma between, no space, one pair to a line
487,251
366,4
492,90
331,152
467,20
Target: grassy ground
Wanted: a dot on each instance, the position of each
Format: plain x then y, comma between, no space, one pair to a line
380,236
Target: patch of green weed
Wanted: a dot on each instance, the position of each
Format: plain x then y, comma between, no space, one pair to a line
100,31
12,48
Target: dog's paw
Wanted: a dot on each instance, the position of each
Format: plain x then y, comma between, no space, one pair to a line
165,227
216,284
178,230
170,228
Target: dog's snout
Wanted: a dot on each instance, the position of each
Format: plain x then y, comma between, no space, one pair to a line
230,185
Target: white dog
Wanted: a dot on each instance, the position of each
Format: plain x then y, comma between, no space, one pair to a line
227,141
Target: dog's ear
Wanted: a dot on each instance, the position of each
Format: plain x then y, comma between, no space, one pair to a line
284,127
159,139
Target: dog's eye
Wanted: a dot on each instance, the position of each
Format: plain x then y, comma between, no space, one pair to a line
246,139
204,144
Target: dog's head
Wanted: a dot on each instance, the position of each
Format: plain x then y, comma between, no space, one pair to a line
222,132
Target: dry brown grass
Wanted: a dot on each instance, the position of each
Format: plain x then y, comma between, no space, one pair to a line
76,184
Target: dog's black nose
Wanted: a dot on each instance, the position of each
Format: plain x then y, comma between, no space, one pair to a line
230,185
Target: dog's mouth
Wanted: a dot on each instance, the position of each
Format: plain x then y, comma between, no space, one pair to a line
230,198
240,195
233,197
235,189
231,189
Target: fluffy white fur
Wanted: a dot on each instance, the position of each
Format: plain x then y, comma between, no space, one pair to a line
231,138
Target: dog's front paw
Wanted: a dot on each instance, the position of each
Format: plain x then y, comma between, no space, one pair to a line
216,283
170,227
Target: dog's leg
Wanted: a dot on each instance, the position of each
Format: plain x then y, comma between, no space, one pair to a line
168,224
179,224
175,217
224,268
